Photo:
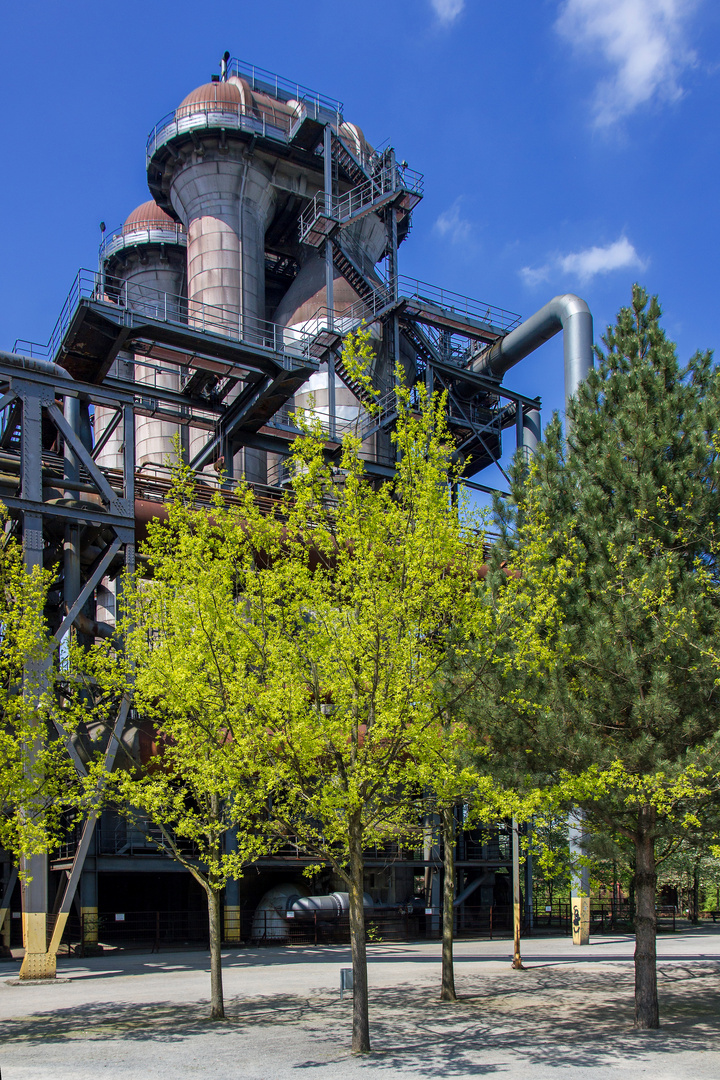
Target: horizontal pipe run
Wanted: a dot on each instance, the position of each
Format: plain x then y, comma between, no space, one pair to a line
35,366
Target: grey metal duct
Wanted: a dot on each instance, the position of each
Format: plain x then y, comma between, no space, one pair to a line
567,313
337,903
42,367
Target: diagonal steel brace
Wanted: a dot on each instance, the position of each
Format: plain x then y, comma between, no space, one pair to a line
96,575
107,493
88,829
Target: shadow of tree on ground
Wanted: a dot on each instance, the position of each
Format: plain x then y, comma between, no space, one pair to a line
546,1015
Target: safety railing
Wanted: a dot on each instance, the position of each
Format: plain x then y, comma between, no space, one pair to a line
130,236
270,926
267,82
410,920
325,209
422,291
292,346
349,318
257,118
386,182
214,114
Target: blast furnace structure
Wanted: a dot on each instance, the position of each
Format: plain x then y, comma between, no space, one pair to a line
218,309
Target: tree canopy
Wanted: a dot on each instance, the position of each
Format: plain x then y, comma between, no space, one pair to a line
624,722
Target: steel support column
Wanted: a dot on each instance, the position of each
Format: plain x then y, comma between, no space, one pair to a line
37,962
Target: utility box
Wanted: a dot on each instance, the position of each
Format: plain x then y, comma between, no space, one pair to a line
346,980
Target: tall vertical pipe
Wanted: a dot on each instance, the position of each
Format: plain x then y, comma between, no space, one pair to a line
329,279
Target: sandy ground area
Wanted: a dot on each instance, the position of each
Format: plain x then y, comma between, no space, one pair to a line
568,1015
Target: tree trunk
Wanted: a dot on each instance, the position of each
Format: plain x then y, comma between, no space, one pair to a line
696,895
217,1006
646,999
447,991
361,1023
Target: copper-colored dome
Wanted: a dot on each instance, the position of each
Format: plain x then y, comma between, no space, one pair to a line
148,216
222,93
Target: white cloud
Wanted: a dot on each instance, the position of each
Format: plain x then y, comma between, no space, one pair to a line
585,265
452,225
602,260
536,275
641,41
447,11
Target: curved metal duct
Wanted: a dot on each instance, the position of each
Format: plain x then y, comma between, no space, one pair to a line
337,903
567,313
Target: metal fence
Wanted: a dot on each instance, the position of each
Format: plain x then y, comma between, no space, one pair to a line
158,930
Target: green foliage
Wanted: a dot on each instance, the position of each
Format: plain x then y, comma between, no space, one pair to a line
356,611
38,782
188,658
627,714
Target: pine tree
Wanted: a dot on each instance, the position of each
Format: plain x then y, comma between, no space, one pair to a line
625,723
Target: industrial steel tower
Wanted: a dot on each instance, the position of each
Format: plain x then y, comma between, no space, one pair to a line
220,308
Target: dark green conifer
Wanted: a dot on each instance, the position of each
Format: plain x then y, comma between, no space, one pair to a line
634,492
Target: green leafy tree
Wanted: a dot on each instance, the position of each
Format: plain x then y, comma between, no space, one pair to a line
624,721
356,604
192,665
38,782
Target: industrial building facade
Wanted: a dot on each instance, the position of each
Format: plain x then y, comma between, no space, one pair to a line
218,309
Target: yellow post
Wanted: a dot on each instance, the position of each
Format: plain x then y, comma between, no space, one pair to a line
580,910
579,880
6,925
37,963
89,922
232,922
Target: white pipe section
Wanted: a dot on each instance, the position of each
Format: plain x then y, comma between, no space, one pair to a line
567,313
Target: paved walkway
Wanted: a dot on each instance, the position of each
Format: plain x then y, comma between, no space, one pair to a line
568,1016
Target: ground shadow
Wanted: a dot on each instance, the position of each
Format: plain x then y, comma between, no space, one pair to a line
543,1016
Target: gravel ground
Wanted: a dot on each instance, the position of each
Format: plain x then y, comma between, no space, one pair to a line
568,1015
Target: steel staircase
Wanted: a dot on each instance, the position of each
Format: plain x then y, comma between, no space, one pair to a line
349,265
347,161
420,341
391,187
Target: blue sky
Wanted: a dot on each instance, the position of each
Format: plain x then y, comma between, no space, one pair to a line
567,145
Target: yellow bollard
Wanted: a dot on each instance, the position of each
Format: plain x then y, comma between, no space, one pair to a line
580,915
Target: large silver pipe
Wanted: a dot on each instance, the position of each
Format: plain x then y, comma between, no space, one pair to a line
33,365
567,313
337,903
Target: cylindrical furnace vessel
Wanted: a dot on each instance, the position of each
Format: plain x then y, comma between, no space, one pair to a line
143,268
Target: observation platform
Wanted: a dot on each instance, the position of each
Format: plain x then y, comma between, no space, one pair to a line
298,125
102,316
122,238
